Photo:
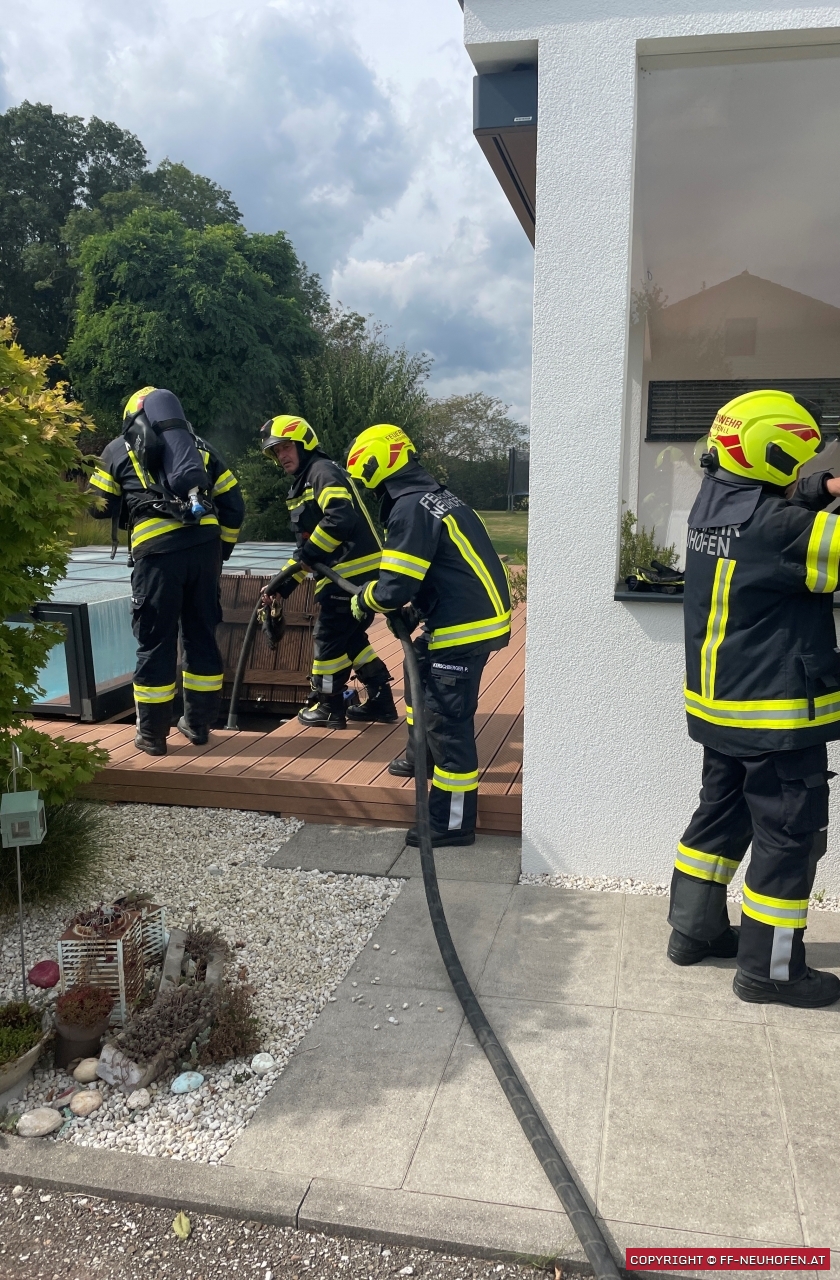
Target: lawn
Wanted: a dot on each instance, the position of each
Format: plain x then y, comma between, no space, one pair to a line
508,530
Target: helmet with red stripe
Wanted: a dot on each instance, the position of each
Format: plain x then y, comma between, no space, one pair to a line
378,453
764,435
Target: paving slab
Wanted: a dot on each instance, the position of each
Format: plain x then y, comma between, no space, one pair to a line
694,1137
357,1102
649,981
557,946
120,1175
806,1070
473,913
491,858
473,1146
370,851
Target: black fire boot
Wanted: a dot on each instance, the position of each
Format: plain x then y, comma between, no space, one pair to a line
814,991
197,734
152,746
378,706
685,950
440,839
153,722
326,712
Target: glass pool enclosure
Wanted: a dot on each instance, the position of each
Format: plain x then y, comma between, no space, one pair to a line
88,676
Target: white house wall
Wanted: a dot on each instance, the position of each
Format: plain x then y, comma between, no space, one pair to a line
610,776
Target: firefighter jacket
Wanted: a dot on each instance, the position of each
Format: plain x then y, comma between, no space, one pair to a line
439,557
330,523
762,668
126,486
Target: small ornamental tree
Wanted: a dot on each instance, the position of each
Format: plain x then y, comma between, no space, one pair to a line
38,503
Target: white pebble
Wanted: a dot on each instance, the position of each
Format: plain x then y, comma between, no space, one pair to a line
394,1020
139,1100
405,1006
376,1026
262,1063
376,946
17,1191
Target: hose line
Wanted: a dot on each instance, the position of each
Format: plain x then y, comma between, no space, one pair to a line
543,1145
248,644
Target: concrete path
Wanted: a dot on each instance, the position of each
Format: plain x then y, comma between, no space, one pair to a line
689,1117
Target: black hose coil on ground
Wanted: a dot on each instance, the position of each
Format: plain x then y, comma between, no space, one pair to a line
556,1170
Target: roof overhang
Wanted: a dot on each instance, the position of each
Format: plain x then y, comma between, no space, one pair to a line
505,126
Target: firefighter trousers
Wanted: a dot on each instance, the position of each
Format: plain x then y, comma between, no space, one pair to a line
341,643
451,684
169,590
778,802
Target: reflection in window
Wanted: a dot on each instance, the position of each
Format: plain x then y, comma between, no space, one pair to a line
736,271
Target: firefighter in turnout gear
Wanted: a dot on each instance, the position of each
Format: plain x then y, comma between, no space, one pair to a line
177,544
762,696
331,525
438,566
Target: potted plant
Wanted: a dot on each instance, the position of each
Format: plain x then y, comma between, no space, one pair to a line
22,1037
82,1015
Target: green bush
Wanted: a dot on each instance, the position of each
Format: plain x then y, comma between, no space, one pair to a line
20,1030
639,547
73,847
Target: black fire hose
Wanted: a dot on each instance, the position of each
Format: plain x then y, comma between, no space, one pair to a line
556,1169
248,644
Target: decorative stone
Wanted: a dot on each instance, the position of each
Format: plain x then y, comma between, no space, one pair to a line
86,1102
85,1072
139,1100
40,1122
187,1081
45,974
262,1063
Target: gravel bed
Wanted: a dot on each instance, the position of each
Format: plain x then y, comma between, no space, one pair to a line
615,884
294,936
73,1237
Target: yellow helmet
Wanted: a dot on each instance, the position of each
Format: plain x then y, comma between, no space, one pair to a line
287,427
765,435
135,404
378,453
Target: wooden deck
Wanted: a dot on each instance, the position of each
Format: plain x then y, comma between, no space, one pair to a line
318,775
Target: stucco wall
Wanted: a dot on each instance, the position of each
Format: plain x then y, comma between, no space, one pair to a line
610,775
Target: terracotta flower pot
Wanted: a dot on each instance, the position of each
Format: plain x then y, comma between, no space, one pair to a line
74,1041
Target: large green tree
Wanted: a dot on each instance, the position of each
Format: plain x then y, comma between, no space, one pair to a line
62,179
220,316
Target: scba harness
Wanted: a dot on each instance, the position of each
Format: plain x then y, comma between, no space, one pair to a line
167,473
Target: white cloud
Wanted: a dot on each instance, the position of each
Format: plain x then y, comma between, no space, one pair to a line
346,124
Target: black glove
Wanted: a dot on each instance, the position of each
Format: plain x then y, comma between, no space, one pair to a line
409,616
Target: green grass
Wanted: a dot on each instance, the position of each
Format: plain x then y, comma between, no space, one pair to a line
508,530
88,532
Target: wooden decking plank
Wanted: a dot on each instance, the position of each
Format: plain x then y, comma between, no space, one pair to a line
499,776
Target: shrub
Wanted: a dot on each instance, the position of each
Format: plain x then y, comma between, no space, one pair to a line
72,848
84,1006
164,1026
519,580
235,1030
20,1030
639,547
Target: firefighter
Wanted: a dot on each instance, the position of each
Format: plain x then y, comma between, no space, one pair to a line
177,546
331,524
762,696
438,559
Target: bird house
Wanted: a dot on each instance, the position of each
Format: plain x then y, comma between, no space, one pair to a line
22,818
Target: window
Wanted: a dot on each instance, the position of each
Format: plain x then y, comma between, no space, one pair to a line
735,262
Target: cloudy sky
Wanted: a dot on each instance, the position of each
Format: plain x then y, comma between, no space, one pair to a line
347,123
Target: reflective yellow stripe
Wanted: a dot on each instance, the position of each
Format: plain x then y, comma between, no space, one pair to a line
705,866
367,655
445,781
140,473
333,493
329,666
716,626
208,520
300,575
228,535
369,599
307,496
402,562
353,568
823,554
782,913
475,562
154,692
225,482
102,480
779,713
203,684
470,632
363,508
152,529
409,714
322,540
